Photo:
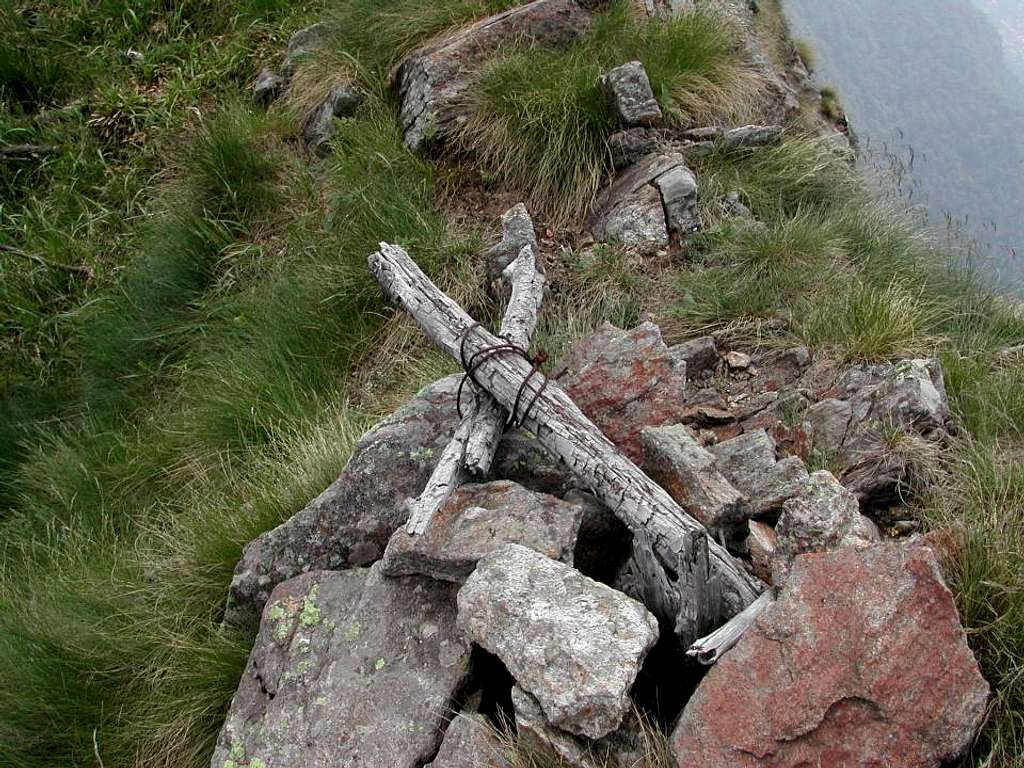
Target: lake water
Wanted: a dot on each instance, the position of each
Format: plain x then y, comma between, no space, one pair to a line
935,90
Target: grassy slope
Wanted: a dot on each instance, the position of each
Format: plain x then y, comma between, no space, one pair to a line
211,375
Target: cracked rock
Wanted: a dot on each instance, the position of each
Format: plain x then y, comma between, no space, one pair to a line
861,662
478,519
647,203
574,644
748,462
629,91
348,669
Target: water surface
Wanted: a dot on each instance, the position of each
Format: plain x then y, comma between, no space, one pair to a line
937,88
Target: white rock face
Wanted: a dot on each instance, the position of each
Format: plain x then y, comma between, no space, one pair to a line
575,645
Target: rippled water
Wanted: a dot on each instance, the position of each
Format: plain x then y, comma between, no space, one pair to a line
934,89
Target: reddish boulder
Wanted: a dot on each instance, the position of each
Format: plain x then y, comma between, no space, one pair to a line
625,381
862,663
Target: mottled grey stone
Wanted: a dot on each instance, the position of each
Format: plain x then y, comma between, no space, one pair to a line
469,742
517,231
637,221
574,644
825,516
648,201
348,669
629,91
267,87
676,460
752,136
302,43
350,523
748,462
629,146
829,420
678,188
433,80
478,519
341,100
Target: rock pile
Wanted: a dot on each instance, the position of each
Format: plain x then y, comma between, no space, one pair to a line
380,648
365,666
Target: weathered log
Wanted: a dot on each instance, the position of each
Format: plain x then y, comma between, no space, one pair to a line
526,284
472,447
566,432
710,649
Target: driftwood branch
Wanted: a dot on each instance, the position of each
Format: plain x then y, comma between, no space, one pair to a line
26,151
567,433
472,447
710,649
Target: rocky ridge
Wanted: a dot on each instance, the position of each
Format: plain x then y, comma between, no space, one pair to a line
380,649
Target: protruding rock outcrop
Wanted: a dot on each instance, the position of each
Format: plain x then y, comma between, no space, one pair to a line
432,80
575,645
650,203
469,742
861,662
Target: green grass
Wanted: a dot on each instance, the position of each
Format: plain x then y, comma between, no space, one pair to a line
539,122
190,341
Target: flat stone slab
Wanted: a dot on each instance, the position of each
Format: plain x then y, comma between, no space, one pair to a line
861,662
479,519
349,669
470,742
575,645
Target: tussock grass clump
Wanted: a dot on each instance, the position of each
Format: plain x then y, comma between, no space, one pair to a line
852,278
538,119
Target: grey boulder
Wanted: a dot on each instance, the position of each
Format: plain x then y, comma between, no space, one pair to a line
647,204
574,644
478,519
349,669
341,100
628,89
824,516
267,87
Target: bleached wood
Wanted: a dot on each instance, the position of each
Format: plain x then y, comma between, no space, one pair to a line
527,292
567,433
471,449
710,649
